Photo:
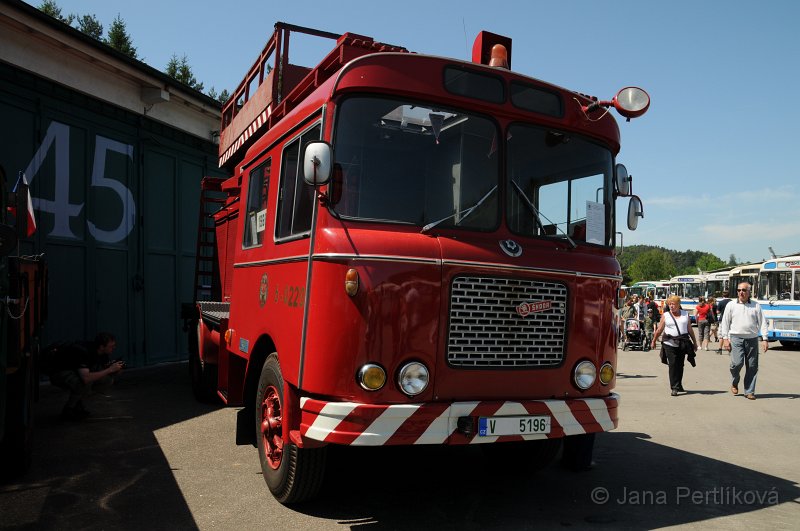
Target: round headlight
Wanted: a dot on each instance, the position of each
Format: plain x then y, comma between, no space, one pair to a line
413,378
585,374
371,377
606,373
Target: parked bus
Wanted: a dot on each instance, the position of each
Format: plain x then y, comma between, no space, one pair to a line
689,288
661,293
779,296
742,273
655,290
717,283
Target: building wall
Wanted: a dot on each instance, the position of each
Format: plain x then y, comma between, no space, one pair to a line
116,197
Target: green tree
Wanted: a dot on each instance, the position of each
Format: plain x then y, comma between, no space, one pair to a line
89,25
119,39
180,70
709,262
50,7
655,264
221,97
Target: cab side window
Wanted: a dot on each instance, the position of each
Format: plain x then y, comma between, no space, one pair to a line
257,195
296,200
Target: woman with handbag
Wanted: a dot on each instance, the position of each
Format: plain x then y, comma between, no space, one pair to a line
679,342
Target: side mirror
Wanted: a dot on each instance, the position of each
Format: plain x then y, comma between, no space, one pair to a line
635,211
317,163
623,180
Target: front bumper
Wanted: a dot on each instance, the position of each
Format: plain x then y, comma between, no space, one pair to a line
356,424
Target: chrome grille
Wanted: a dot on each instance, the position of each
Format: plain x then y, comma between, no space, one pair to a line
786,325
486,330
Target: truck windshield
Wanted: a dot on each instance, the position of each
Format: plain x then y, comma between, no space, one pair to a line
422,165
565,178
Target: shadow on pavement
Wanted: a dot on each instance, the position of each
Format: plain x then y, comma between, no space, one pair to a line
635,484
107,472
110,473
624,376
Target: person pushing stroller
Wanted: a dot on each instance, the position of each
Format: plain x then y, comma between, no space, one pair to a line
649,328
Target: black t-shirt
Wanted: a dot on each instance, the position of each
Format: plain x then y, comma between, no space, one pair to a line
74,356
721,308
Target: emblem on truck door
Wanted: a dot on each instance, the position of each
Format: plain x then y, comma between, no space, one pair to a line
262,290
511,248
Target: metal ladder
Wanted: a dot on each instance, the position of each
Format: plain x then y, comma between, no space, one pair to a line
206,272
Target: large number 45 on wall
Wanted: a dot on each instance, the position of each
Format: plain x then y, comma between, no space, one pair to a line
60,206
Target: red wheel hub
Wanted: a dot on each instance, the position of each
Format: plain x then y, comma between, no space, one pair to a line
272,427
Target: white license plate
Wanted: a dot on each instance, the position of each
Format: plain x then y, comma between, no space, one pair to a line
788,334
527,425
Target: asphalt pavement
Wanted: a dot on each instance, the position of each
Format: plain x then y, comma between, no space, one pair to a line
151,457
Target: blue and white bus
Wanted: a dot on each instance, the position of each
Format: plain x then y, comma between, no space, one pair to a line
689,288
779,296
743,273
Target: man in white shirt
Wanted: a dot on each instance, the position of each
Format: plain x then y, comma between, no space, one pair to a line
742,323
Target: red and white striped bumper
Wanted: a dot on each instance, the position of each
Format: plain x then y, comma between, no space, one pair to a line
436,423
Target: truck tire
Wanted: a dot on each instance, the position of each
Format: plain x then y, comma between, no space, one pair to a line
292,474
204,376
578,451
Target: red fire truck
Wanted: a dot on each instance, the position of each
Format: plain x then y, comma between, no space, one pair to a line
411,250
23,310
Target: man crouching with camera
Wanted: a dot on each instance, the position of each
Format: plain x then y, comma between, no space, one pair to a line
82,368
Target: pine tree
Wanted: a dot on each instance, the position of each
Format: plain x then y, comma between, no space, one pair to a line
49,7
221,97
180,70
89,25
119,39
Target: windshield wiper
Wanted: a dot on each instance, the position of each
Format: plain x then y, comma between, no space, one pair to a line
536,214
466,212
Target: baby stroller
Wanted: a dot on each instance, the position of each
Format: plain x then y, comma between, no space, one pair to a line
634,335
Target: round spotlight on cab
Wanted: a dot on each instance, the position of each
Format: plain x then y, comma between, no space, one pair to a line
585,374
371,377
606,373
413,378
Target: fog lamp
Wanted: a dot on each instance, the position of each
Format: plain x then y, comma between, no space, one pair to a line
585,374
606,373
371,377
413,378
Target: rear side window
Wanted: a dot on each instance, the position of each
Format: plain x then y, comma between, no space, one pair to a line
257,194
296,199
474,85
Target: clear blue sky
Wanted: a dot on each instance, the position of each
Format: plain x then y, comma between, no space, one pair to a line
710,160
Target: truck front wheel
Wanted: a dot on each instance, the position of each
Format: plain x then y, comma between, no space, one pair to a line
578,451
291,473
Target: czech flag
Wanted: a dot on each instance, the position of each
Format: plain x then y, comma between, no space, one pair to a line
25,189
